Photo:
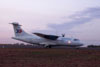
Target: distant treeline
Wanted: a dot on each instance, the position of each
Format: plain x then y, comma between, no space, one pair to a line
17,45
22,45
94,46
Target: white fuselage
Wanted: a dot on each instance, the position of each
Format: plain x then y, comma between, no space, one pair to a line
41,41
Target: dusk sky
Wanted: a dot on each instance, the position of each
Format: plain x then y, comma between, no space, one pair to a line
76,18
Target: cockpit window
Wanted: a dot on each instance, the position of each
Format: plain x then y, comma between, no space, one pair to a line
76,39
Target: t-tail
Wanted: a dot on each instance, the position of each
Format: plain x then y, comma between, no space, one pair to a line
18,30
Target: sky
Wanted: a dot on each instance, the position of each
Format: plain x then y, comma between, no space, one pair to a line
76,18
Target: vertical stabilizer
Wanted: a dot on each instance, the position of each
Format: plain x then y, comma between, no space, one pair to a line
17,29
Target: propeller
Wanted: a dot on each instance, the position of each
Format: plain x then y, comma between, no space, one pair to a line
63,35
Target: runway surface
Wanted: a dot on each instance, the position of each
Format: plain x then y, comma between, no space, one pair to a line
40,57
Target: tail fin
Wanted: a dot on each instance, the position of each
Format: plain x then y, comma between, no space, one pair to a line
18,31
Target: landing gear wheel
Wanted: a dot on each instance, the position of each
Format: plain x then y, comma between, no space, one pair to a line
48,46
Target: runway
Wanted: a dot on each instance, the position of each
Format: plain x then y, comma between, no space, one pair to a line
32,46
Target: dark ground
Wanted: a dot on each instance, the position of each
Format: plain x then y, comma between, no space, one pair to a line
29,57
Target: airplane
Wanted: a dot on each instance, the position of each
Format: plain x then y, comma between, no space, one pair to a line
44,40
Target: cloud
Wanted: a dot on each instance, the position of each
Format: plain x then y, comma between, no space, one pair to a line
77,19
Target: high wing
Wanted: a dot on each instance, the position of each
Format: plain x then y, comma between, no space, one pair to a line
50,37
